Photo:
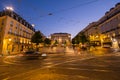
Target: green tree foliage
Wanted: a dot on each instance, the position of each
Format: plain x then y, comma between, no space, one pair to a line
56,42
37,38
80,38
73,41
47,41
83,38
76,40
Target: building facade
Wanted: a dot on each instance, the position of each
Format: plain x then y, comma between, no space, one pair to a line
109,26
93,33
61,39
15,33
107,29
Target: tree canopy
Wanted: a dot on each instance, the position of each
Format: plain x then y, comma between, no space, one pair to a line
37,38
80,38
47,41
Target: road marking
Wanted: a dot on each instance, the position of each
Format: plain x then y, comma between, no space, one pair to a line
32,71
53,76
9,62
3,65
83,77
70,61
17,62
5,73
6,78
97,70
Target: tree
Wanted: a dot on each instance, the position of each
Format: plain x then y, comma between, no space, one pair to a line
47,41
76,40
73,41
80,38
56,43
37,38
83,38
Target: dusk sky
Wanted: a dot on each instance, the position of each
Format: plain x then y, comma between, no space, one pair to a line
54,16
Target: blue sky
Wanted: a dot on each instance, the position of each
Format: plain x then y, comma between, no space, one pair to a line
69,16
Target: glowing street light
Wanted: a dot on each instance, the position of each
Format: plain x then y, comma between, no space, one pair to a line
33,25
9,39
9,8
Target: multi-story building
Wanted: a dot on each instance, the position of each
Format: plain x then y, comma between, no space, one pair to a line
61,39
107,28
15,32
93,33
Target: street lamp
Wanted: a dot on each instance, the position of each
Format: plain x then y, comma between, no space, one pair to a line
33,25
9,8
9,39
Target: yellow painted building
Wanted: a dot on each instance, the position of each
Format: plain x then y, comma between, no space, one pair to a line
93,33
107,29
62,39
15,33
109,26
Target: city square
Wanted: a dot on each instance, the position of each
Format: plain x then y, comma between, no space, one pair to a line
59,40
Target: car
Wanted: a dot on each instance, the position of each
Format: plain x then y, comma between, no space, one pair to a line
31,55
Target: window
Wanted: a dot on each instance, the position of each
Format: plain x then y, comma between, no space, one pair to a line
11,23
19,33
2,22
20,40
15,40
15,33
26,30
10,30
113,34
17,26
23,41
21,28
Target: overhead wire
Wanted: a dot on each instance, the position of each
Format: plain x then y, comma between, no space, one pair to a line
56,12
77,6
45,13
